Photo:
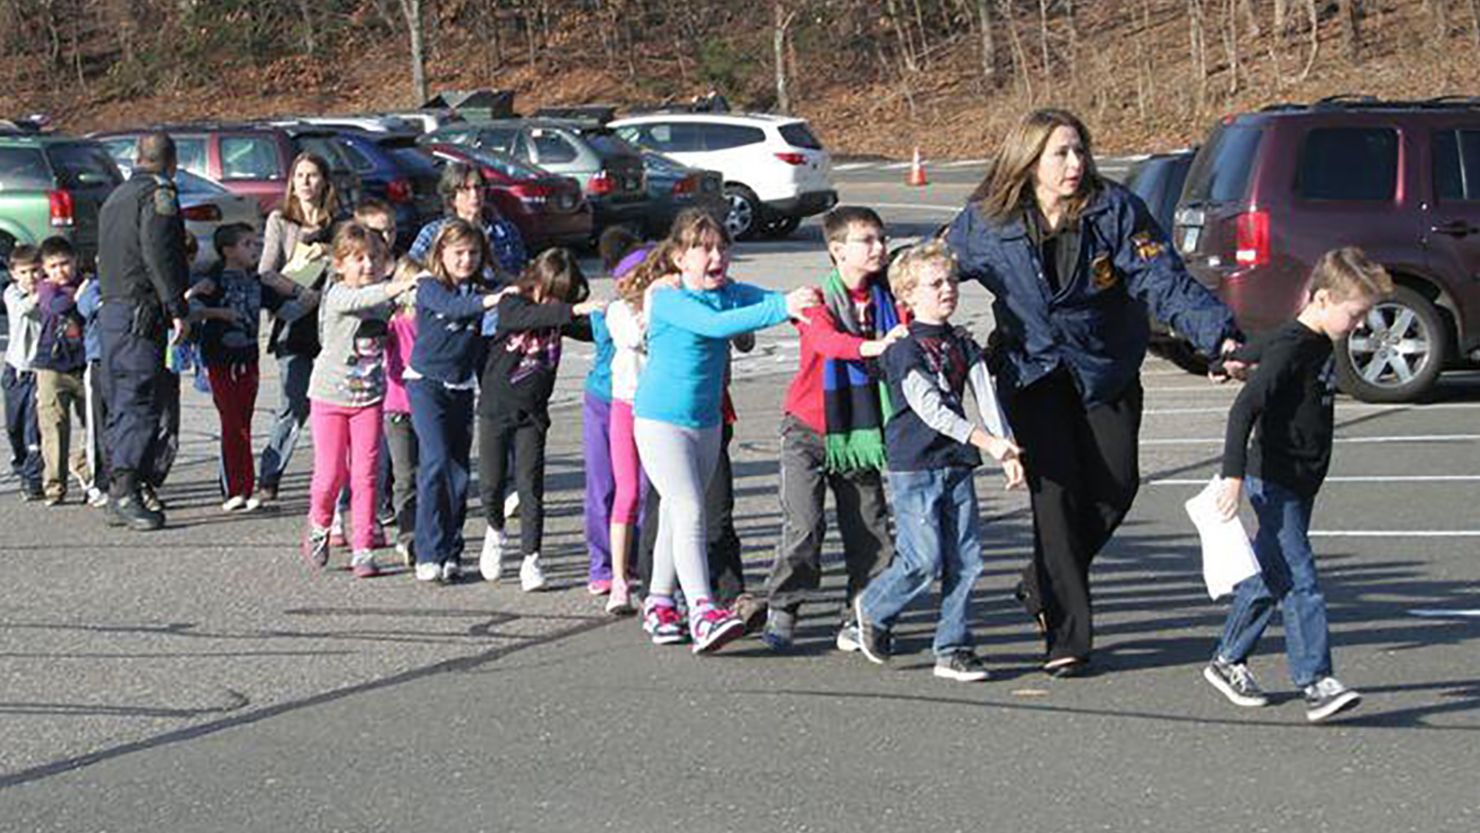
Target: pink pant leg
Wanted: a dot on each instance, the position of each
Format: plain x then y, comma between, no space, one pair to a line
364,461
330,426
626,468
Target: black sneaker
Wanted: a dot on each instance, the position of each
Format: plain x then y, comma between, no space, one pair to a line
871,638
150,500
962,666
1326,697
129,511
1236,682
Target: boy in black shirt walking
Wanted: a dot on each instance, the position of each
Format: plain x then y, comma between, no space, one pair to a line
1290,397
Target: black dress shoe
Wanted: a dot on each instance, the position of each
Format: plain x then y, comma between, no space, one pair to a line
130,511
1068,668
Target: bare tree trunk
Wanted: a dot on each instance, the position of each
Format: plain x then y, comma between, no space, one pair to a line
1351,35
924,41
1475,22
306,13
989,47
1043,33
781,22
1073,41
1230,43
1019,56
905,53
1315,37
411,10
1197,50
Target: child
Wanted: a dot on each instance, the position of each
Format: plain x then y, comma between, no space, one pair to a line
933,448
1290,397
61,357
513,410
440,381
400,439
345,391
230,302
677,415
23,314
832,429
89,302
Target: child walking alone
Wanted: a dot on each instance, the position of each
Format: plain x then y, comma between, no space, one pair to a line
1288,404
345,392
933,448
678,420
547,302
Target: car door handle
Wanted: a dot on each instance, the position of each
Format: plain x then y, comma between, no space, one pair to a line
1454,228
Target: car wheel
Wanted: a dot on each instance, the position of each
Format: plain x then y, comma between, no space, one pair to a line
1397,352
744,218
782,227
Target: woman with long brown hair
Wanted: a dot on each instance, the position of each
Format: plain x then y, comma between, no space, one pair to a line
1074,263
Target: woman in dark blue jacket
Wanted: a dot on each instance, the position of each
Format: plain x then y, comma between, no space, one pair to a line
1074,263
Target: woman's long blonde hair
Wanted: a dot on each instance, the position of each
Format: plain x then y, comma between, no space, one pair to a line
1009,180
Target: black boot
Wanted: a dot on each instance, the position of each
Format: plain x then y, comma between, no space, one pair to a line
126,508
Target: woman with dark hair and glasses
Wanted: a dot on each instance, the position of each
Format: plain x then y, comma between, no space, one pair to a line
464,190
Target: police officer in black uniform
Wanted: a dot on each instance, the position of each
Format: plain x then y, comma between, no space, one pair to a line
142,274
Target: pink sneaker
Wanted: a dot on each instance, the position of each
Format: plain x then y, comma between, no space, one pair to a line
599,587
663,624
713,628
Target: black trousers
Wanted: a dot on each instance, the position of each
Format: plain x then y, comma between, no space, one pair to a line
137,389
726,569
525,433
1083,474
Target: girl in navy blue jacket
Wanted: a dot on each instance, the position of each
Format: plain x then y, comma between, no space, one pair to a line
440,382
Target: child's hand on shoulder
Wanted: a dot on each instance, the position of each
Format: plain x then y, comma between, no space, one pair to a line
589,306
1230,495
798,301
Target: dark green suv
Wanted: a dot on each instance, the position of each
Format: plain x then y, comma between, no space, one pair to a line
53,185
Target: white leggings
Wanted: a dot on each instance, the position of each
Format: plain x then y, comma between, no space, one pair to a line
679,462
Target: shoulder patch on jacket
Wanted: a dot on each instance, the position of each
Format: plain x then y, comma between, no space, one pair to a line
165,203
1147,248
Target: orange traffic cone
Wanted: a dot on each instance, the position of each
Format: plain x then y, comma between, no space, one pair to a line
917,171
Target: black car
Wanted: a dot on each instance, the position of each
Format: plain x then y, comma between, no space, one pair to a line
1158,180
393,167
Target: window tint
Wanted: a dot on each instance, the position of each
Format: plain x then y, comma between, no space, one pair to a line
681,137
1220,172
413,161
726,136
357,158
1348,163
23,169
248,157
1457,165
551,148
83,166
501,140
799,136
192,154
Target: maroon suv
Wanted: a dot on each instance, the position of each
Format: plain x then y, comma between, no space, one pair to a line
1270,191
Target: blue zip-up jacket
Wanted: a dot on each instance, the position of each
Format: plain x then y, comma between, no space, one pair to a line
1096,325
688,336
89,301
449,342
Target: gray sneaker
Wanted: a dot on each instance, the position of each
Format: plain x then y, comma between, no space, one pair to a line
1236,682
780,629
1326,697
962,666
872,640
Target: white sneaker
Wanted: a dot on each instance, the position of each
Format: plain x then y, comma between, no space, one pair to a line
531,577
451,570
426,571
491,560
233,503
97,497
511,504
252,504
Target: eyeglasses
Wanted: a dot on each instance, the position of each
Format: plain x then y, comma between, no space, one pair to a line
869,241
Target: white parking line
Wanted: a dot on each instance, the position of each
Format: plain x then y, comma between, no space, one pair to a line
948,209
1435,613
1340,408
854,166
964,163
1350,478
1397,438
1394,533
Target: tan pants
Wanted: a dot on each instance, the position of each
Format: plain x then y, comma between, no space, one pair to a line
58,395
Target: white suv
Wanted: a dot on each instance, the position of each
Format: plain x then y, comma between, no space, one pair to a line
775,170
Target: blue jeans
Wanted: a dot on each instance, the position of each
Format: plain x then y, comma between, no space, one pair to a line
1288,576
443,422
21,426
937,533
292,412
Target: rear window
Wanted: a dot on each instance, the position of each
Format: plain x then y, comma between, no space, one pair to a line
726,136
413,161
1457,164
23,169
551,148
84,166
122,150
1220,173
191,151
607,145
249,157
1348,163
357,158
501,140
798,135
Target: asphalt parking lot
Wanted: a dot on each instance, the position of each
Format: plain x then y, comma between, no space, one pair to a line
201,678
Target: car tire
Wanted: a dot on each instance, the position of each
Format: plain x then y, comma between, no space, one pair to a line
744,218
1397,353
780,228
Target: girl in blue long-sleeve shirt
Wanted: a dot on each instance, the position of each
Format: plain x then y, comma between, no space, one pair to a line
678,419
440,382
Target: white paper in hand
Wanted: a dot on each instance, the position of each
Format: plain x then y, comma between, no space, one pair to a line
1227,555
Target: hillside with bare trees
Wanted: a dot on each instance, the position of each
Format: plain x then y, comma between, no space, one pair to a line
873,77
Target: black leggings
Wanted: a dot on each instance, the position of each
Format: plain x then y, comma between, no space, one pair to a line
1083,474
526,435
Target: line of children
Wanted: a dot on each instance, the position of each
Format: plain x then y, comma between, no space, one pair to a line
61,358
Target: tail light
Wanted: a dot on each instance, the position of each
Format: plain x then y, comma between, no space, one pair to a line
1251,238
793,158
686,186
60,203
206,213
532,193
399,190
601,184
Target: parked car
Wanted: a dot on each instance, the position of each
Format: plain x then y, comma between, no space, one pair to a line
1270,191
392,167
549,210
206,206
425,121
1158,179
673,186
608,169
53,185
776,171
248,159
367,123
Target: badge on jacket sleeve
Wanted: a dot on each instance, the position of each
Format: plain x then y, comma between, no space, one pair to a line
165,204
1147,248
1102,272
